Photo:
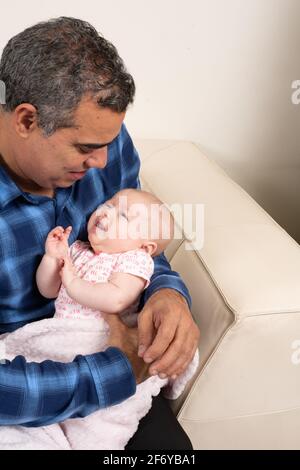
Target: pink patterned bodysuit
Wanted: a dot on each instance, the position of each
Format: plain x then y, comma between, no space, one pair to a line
98,268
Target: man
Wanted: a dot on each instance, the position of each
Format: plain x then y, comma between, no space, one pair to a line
64,150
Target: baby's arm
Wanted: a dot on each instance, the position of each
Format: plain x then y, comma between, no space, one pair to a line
113,296
47,277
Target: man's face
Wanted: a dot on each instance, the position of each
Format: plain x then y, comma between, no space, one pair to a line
55,161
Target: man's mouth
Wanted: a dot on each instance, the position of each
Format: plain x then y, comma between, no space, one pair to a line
76,175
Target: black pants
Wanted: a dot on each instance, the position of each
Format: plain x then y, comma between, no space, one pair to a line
159,430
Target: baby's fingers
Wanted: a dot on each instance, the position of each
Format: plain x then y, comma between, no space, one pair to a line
56,233
67,231
57,229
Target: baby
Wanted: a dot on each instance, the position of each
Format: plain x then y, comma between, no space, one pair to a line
108,273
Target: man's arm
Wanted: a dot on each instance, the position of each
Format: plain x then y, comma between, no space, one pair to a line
33,394
164,277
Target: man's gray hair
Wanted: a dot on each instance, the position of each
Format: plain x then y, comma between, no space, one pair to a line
53,64
2,92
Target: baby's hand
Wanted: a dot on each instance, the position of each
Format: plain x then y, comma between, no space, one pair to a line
67,271
57,242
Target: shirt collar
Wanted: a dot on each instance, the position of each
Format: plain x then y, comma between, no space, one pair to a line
8,188
9,191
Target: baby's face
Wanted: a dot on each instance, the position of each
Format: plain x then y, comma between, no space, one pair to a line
121,224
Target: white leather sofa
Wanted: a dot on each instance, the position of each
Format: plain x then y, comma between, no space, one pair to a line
245,287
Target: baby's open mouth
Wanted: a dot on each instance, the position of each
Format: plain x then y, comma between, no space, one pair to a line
100,226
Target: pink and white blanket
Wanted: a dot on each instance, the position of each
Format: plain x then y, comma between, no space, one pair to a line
61,339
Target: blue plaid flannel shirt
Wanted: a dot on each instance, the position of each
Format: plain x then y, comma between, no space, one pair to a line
35,394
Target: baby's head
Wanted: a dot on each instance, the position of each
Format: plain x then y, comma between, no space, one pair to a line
131,219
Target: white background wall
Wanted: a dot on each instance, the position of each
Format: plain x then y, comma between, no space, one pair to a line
217,72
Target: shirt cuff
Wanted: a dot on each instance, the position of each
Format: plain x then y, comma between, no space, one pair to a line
169,282
113,376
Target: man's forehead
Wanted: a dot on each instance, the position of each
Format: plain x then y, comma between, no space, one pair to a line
96,125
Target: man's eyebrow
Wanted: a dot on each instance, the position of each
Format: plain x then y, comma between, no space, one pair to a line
92,146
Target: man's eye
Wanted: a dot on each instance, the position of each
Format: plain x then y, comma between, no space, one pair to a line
83,150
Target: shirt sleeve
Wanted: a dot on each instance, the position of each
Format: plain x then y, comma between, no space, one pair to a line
163,276
137,263
38,394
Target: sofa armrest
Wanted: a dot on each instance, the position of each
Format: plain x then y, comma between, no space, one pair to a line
245,288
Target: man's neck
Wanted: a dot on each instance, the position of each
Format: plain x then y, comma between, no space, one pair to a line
25,185
42,192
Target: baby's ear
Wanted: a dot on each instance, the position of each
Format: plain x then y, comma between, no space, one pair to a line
150,247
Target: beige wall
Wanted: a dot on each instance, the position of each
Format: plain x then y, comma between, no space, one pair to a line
216,72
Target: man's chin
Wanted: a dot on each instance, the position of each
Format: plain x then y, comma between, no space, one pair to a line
63,183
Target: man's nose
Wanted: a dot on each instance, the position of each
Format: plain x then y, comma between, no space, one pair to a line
98,159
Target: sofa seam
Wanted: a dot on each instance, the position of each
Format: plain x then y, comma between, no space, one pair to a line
244,416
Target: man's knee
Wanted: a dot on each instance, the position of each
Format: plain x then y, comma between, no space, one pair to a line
160,430
176,440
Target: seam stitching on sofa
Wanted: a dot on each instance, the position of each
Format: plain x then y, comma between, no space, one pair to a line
255,414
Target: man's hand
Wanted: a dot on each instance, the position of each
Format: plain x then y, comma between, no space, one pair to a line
56,245
126,339
168,335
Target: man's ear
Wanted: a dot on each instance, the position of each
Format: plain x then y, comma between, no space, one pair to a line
25,117
150,247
